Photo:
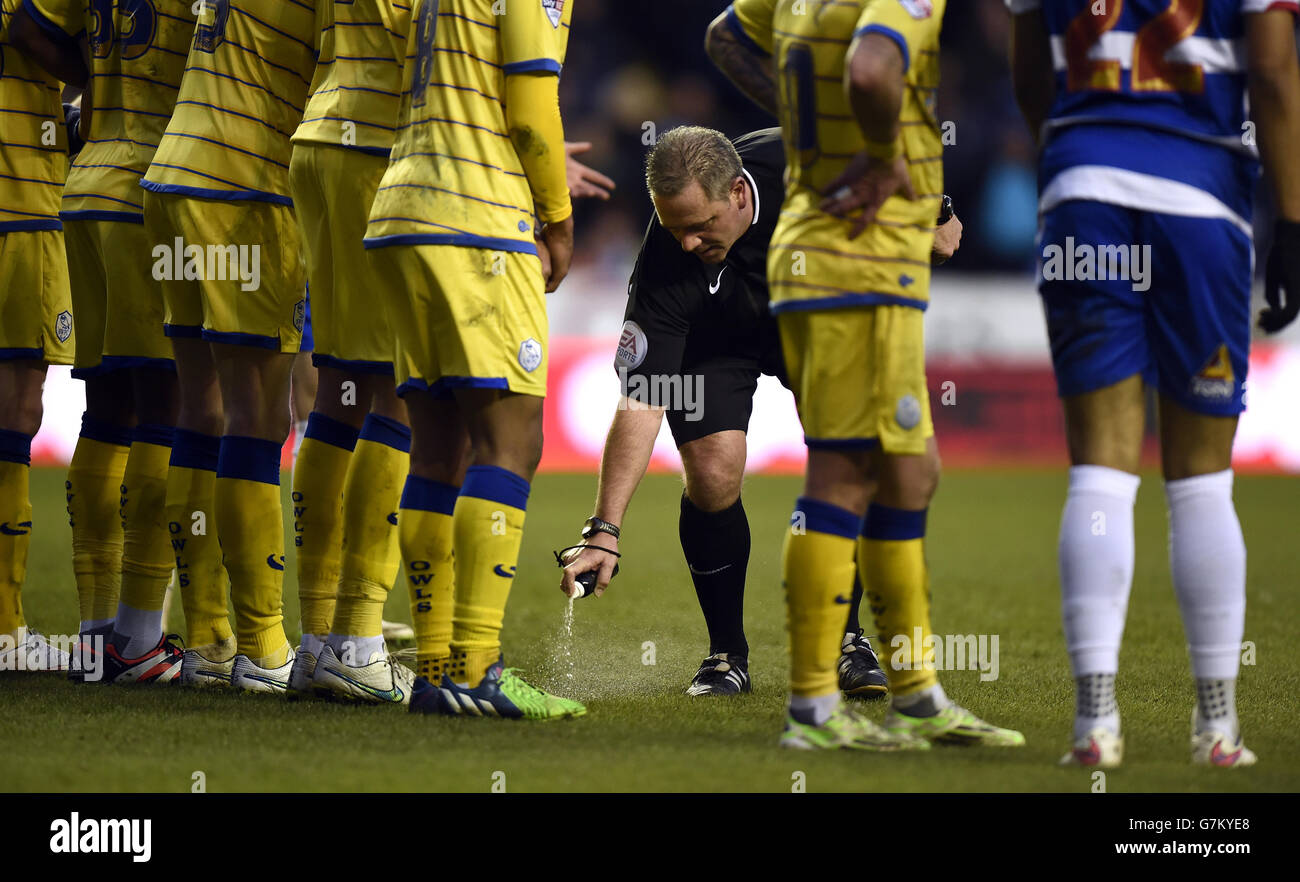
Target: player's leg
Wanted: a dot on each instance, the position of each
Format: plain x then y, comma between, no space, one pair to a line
1098,336
134,345
497,372
191,512
1201,347
254,323
440,455
714,533
358,666
190,492
817,562
897,584
36,331
94,478
330,435
20,418
318,475
255,389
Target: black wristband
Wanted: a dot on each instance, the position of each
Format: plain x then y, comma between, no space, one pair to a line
596,525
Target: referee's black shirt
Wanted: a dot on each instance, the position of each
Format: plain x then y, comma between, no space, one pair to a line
683,312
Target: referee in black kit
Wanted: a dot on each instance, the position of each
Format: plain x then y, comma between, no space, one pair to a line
697,319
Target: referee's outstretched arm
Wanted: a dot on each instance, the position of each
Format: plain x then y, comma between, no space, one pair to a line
628,446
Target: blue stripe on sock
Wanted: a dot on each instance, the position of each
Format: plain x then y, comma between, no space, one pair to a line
823,517
330,431
426,494
883,522
495,484
15,447
249,459
153,433
194,450
387,431
108,433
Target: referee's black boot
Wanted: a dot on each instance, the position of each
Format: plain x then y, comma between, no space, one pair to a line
721,674
860,673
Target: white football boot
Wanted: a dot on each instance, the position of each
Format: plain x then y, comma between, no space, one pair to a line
28,650
1210,747
249,677
209,666
1100,748
381,681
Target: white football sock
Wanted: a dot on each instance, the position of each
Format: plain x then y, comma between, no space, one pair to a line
924,703
1207,555
1096,565
311,644
142,629
361,652
814,710
1094,704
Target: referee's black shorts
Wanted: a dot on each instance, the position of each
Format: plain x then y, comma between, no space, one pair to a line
726,386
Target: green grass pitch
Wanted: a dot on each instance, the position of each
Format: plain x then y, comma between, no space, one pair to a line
992,553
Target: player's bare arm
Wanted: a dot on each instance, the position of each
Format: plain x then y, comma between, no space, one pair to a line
536,131
1031,69
628,447
61,61
1274,76
873,80
749,71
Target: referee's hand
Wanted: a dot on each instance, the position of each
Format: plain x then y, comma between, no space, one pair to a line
586,559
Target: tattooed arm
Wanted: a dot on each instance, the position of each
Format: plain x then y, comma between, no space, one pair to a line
742,61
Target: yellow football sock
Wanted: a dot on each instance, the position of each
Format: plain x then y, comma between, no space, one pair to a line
147,559
896,584
318,476
192,524
817,570
15,525
425,527
250,523
370,547
487,529
94,496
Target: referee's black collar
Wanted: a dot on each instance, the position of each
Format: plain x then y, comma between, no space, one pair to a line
753,188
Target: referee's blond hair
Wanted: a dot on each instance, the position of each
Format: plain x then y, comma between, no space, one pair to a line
692,153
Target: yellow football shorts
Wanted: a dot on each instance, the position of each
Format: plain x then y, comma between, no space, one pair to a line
332,191
117,301
465,317
858,376
35,300
231,270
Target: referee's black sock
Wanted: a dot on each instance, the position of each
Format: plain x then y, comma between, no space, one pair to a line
716,545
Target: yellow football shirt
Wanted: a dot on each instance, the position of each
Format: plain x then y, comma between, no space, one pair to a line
137,57
455,178
33,138
812,263
242,97
357,87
